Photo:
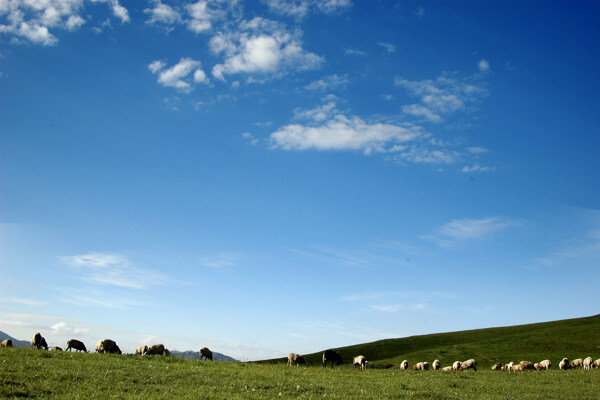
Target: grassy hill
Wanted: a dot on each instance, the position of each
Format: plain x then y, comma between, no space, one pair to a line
571,338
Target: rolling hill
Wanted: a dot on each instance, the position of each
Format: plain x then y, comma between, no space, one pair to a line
571,338
16,342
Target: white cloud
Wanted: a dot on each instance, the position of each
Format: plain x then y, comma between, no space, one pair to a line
475,168
441,97
162,13
581,248
178,76
16,300
389,47
328,83
201,16
62,328
248,136
464,230
218,261
33,20
261,47
484,65
300,8
392,308
113,270
355,52
343,133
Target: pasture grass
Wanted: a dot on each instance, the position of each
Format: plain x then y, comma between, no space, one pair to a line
39,374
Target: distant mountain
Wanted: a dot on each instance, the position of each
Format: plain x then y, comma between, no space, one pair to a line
16,342
195,355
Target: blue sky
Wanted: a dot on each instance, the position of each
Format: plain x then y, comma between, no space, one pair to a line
267,177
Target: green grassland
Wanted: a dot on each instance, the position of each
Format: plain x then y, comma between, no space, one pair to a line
26,373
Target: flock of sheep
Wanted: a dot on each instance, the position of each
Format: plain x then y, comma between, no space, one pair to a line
107,346
329,356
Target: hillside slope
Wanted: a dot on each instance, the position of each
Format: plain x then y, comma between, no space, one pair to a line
16,342
571,338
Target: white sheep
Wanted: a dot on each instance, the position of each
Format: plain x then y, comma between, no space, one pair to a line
6,343
470,363
578,362
527,365
546,364
155,349
294,358
456,365
107,346
564,364
422,366
588,363
448,368
141,350
359,361
496,367
436,365
404,364
597,363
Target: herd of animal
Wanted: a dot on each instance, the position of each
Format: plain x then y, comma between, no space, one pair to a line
329,356
107,346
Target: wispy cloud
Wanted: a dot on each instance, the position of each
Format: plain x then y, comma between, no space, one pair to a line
392,308
180,75
218,261
389,47
22,301
330,82
458,231
583,248
113,270
300,8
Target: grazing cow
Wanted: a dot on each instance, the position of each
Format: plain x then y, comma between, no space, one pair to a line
496,367
545,364
155,350
206,353
564,364
76,344
294,358
141,350
6,343
470,363
456,365
359,361
38,341
578,362
588,363
436,365
331,356
107,346
404,365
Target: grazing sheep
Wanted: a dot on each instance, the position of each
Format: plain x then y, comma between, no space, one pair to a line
38,341
155,350
527,365
331,356
6,343
107,346
509,366
597,363
369,365
518,368
359,361
564,364
470,363
436,365
456,365
166,353
448,368
404,365
297,359
141,350
422,366
588,363
76,344
578,362
496,367
56,348
546,364
537,366
206,353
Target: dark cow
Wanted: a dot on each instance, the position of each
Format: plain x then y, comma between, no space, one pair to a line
331,356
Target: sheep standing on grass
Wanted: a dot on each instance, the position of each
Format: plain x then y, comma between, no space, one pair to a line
597,363
206,353
588,363
546,364
436,365
297,359
76,344
518,368
155,350
404,365
331,356
6,343
38,341
422,366
107,346
564,364
141,350
359,361
527,365
496,367
470,363
456,365
578,362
